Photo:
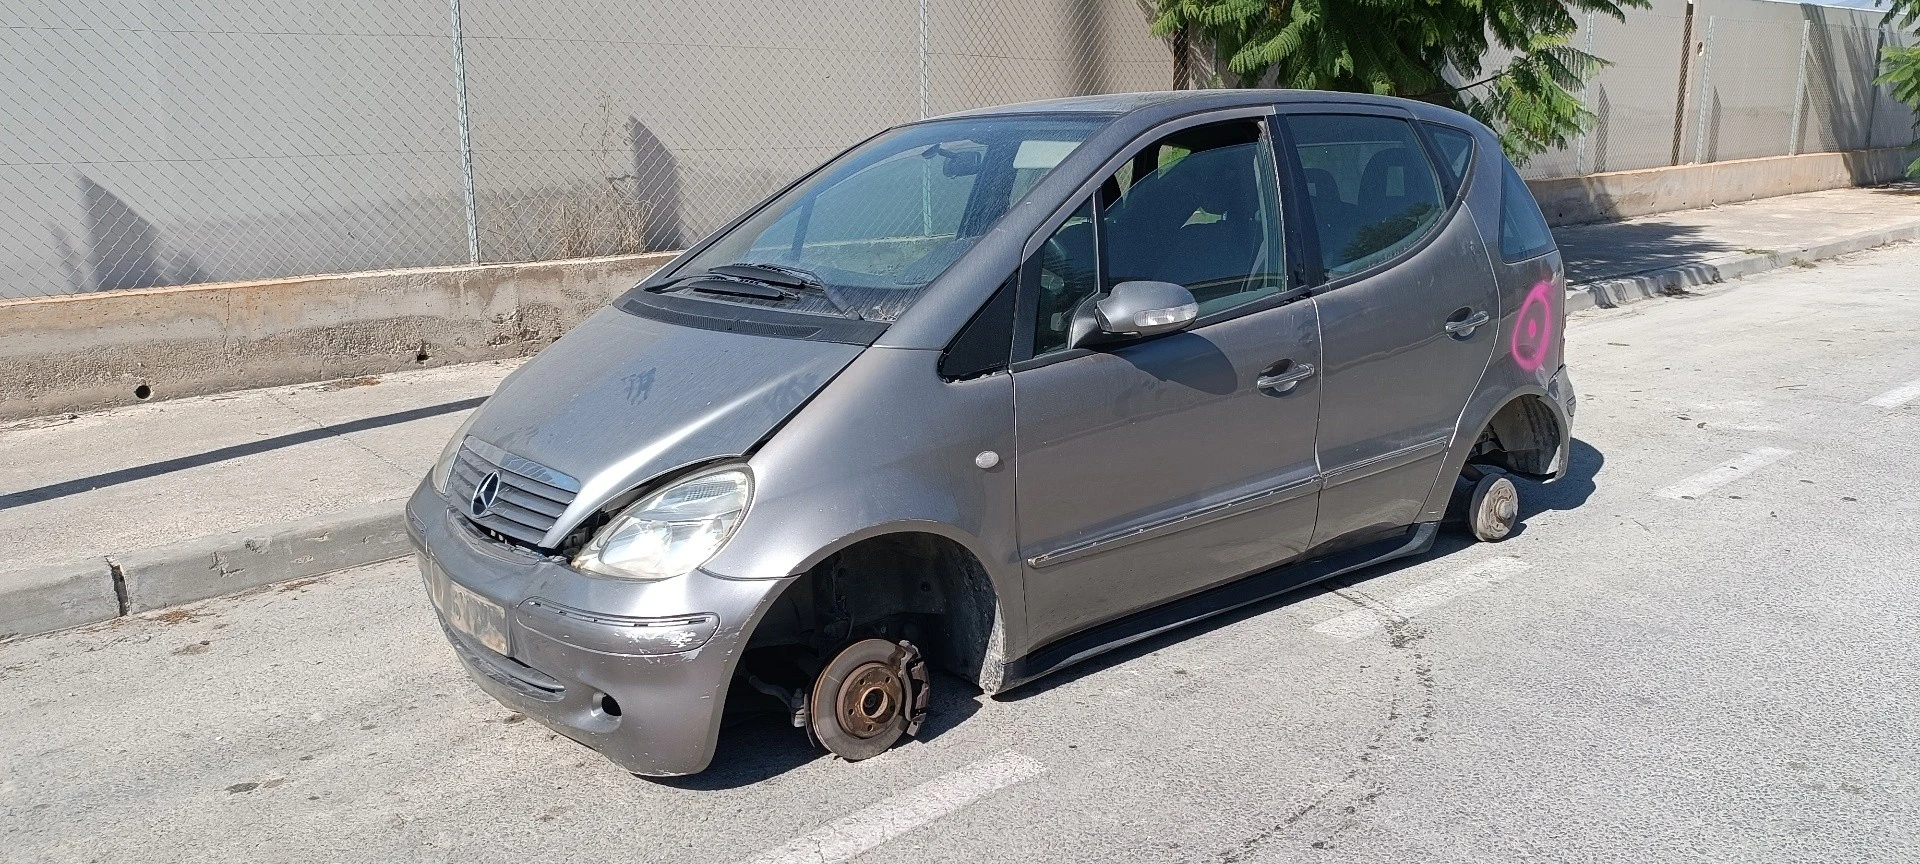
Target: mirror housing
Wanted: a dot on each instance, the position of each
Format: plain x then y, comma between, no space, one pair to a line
1134,310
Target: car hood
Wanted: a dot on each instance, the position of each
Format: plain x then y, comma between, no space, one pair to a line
622,399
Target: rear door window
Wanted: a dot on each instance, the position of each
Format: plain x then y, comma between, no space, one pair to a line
1373,190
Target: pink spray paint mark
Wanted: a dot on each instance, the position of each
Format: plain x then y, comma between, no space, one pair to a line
1533,328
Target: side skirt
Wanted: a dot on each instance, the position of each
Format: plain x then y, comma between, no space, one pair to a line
1122,632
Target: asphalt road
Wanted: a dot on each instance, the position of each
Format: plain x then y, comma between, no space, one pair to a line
1700,647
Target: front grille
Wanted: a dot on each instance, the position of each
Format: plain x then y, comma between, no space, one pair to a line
531,497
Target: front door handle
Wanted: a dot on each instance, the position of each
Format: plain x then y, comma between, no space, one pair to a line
1466,326
1284,381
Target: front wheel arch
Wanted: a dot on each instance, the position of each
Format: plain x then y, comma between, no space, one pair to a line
921,586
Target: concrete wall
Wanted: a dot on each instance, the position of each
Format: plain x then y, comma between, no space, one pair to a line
89,351
1625,194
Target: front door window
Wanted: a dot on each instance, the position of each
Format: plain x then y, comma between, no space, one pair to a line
1197,208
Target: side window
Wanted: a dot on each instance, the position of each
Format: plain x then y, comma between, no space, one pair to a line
1373,190
1456,150
1523,231
1067,276
1198,208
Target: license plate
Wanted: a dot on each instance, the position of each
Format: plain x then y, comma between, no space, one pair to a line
480,619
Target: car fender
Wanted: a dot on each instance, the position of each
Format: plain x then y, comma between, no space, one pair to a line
887,448
1487,403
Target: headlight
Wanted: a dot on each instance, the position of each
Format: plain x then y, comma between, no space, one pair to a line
672,531
443,467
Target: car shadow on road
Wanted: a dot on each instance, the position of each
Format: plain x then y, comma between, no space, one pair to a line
1570,491
762,743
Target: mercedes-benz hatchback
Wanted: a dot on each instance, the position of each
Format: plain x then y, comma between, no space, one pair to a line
993,393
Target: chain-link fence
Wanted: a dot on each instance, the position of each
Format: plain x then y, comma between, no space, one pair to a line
173,142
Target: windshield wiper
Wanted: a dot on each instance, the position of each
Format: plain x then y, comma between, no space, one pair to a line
782,276
739,288
772,274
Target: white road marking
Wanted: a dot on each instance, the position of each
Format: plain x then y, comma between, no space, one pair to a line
1724,473
1898,396
1422,598
856,833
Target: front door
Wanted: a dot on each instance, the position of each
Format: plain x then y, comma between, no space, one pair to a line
1406,316
1158,468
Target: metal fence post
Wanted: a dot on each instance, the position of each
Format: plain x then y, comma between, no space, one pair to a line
1873,87
1586,86
923,59
466,138
1800,88
1706,95
1680,96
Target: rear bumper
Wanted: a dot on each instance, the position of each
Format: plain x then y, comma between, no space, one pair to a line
635,670
1565,402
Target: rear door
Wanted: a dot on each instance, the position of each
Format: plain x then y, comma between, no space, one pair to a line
1407,307
1157,468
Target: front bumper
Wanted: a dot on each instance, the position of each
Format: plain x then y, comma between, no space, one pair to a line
635,670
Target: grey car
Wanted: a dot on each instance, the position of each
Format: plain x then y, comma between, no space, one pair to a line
994,393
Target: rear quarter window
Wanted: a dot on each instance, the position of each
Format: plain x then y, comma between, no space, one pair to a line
1523,231
1456,151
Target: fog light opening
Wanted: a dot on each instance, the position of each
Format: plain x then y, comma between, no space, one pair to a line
609,705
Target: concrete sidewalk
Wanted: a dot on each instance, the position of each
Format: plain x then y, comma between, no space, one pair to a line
138,508
1612,263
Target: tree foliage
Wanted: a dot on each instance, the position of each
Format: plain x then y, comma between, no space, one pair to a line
1432,50
1900,67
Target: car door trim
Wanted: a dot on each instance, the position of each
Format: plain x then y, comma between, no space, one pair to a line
1204,515
1276,580
1384,462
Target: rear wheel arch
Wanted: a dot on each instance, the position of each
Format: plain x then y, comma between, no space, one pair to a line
1526,436
1534,430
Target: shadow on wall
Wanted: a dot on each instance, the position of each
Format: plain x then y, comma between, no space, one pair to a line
1849,126
656,183
123,249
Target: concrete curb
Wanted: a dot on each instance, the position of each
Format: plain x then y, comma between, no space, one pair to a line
224,563
1618,291
55,597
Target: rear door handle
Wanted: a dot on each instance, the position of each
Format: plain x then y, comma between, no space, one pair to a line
1468,324
1282,382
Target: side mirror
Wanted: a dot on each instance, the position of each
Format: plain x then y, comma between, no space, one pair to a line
1134,310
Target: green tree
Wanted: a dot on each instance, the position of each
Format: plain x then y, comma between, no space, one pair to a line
1432,50
1900,67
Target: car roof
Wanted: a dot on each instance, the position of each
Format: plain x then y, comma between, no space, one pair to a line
1172,103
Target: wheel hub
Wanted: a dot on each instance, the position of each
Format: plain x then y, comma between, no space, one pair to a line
869,700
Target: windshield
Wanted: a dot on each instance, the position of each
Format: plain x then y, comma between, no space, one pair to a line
863,236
